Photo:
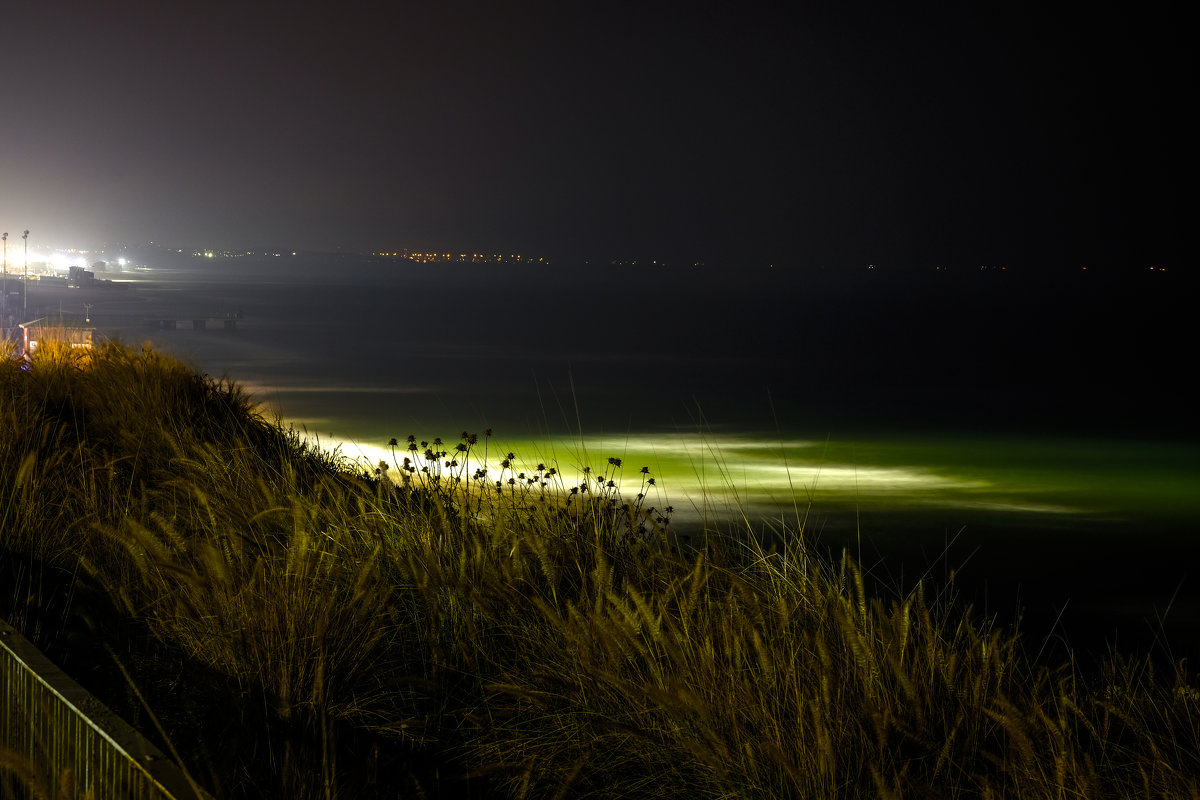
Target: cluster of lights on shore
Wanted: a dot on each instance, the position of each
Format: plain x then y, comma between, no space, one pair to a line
56,260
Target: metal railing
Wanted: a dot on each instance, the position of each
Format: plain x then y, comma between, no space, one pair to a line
57,736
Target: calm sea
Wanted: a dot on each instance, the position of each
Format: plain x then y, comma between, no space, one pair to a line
1029,433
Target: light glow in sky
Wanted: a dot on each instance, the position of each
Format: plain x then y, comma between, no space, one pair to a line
777,133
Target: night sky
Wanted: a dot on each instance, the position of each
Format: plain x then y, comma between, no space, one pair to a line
831,134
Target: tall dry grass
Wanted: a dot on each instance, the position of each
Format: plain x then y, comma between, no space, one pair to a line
304,628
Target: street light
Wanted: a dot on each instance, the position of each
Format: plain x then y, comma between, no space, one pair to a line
25,293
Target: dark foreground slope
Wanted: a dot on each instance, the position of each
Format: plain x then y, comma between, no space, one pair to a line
294,627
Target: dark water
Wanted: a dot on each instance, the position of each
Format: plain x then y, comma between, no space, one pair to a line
644,347
1031,433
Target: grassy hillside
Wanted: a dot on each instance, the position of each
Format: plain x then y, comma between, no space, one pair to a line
292,626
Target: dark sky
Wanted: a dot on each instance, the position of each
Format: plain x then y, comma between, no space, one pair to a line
832,133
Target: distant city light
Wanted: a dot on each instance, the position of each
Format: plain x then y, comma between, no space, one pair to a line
422,257
64,261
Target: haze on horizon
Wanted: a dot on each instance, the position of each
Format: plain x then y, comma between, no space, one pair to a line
797,133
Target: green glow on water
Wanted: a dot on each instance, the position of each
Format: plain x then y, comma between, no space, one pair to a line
759,477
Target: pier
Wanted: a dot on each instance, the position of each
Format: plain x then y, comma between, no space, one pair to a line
228,322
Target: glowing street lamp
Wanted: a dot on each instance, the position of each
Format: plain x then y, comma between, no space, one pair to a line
25,293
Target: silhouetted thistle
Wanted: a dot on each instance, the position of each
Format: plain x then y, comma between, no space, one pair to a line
453,481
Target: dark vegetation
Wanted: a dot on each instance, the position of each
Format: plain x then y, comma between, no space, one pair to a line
290,625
